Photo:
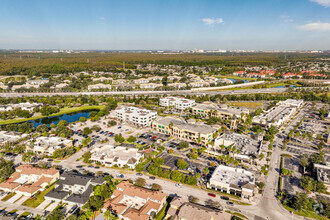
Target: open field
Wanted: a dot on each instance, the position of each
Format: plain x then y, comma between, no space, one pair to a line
62,111
246,104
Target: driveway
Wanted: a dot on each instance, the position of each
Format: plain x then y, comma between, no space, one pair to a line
21,200
14,198
52,206
43,204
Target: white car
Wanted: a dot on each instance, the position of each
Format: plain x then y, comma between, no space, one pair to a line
179,185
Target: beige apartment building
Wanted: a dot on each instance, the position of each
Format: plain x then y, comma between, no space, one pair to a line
197,133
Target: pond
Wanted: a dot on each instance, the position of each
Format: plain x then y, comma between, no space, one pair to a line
72,117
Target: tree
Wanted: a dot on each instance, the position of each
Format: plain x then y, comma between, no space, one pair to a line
193,155
206,170
96,128
6,169
320,187
62,123
42,128
170,151
112,123
131,139
140,182
119,138
307,183
216,205
52,125
181,164
56,214
183,144
156,187
299,201
95,203
86,156
304,162
87,131
82,119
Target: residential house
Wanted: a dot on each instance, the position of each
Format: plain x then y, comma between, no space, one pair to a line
99,86
131,202
47,145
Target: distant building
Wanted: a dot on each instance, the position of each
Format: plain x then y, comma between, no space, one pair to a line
141,81
11,136
177,85
48,145
37,82
150,85
292,103
239,73
24,106
109,155
181,129
27,180
177,102
136,116
25,86
256,75
233,180
99,86
290,75
182,209
131,202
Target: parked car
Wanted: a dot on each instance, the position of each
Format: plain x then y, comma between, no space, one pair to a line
139,174
211,194
224,197
179,185
152,177
230,203
120,175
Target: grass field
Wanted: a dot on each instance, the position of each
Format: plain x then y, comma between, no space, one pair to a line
246,104
305,213
62,111
8,196
37,200
236,77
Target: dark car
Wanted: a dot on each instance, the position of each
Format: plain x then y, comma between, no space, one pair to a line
230,203
224,197
139,174
152,177
211,194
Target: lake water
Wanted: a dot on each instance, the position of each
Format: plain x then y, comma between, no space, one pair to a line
72,117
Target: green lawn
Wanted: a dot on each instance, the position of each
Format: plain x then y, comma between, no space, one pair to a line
305,213
161,214
37,200
236,77
8,196
62,111
24,214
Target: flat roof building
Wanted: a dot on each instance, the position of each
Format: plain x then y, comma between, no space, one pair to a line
48,145
323,174
136,116
177,102
233,180
116,155
181,129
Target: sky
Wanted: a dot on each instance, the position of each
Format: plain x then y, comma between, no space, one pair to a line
165,24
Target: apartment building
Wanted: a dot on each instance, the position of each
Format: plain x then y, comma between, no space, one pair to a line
196,133
27,180
233,180
48,145
73,188
323,174
25,86
239,73
176,102
110,155
102,79
37,82
141,81
177,85
222,112
182,209
292,103
99,86
136,116
150,85
131,202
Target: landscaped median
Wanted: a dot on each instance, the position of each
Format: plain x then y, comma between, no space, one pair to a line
61,112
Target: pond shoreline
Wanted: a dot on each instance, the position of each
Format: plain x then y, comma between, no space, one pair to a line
62,112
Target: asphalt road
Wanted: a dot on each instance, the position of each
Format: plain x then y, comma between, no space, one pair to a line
175,92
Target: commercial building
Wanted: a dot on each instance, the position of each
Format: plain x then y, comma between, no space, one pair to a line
279,114
177,102
223,112
73,188
116,156
131,202
47,145
136,116
196,133
233,180
182,209
323,174
27,180
246,145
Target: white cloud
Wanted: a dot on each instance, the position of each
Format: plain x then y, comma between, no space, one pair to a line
316,26
211,21
102,18
325,3
286,18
